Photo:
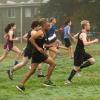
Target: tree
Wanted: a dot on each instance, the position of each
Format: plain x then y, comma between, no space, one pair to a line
77,9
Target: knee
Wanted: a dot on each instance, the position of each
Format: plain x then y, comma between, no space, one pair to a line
77,68
71,46
53,65
19,53
32,70
92,61
4,56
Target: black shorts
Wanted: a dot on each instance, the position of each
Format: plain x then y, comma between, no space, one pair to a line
79,58
67,42
38,58
28,53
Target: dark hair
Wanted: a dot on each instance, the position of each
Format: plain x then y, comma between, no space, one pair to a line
8,27
52,18
67,21
35,24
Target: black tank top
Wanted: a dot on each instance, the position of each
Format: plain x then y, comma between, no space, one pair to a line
80,45
40,41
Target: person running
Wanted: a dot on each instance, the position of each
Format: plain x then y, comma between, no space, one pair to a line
27,52
39,56
82,59
52,38
67,36
9,46
39,69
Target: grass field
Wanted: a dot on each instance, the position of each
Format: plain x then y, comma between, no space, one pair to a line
86,87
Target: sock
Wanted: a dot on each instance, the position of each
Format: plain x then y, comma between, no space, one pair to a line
16,62
40,72
86,64
73,72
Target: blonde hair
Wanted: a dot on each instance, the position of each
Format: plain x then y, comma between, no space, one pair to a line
83,23
42,21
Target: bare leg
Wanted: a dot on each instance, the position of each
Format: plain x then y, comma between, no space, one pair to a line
88,63
72,74
29,73
4,55
18,52
39,69
52,64
21,64
71,52
16,67
52,54
27,76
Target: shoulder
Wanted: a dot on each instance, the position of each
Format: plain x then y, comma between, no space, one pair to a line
40,32
10,32
65,27
33,32
82,35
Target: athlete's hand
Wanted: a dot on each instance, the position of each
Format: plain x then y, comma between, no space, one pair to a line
96,40
17,38
41,50
47,46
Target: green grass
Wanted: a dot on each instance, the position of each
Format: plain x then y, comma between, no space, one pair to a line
86,87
